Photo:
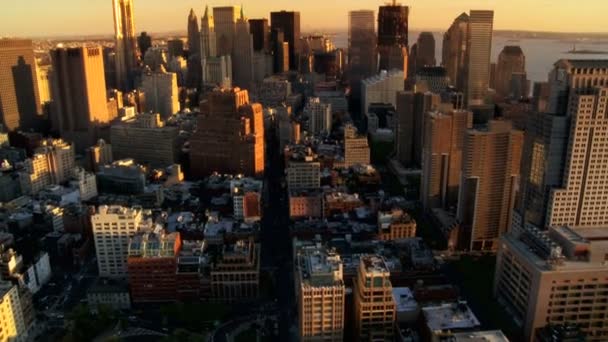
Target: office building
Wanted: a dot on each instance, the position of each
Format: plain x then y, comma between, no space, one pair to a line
393,25
356,147
208,37
425,54
260,31
479,51
373,297
489,181
562,158
98,155
288,23
433,79
320,294
442,158
194,53
362,43
161,92
454,53
175,48
381,88
231,135
152,266
19,93
79,95
553,278
52,163
319,116
217,71
236,274
242,53
511,62
122,177
395,225
411,114
147,139
112,228
125,44
85,182
225,28
144,42
12,318
303,172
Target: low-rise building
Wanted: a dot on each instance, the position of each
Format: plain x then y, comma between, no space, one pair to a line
236,274
305,204
111,293
395,224
442,321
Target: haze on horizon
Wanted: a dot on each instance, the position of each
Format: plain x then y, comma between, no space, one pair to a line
87,17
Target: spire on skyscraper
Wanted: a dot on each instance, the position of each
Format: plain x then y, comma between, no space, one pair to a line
206,15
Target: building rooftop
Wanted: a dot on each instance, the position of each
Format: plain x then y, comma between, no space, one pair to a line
480,336
119,210
404,299
319,266
583,63
103,286
375,264
154,245
450,316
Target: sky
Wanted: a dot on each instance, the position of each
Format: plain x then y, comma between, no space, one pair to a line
33,18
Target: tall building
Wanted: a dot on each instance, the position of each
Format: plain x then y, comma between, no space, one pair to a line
442,158
303,172
225,28
393,25
194,52
12,318
319,116
479,52
511,61
562,181
230,138
152,266
52,163
489,181
320,294
112,228
160,89
425,55
144,42
260,31
553,278
454,53
146,139
79,94
356,147
362,43
236,273
373,298
19,92
125,43
208,37
242,53
98,155
411,114
289,24
381,88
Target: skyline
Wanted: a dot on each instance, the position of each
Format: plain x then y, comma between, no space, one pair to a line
21,20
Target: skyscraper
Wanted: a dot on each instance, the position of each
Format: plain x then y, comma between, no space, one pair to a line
79,93
425,55
144,41
225,27
19,92
411,113
319,116
194,52
230,138
510,61
393,21
374,302
161,92
442,158
208,38
125,43
479,51
261,34
454,57
289,24
356,147
490,174
242,53
320,288
362,43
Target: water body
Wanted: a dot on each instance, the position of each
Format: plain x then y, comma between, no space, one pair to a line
541,54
